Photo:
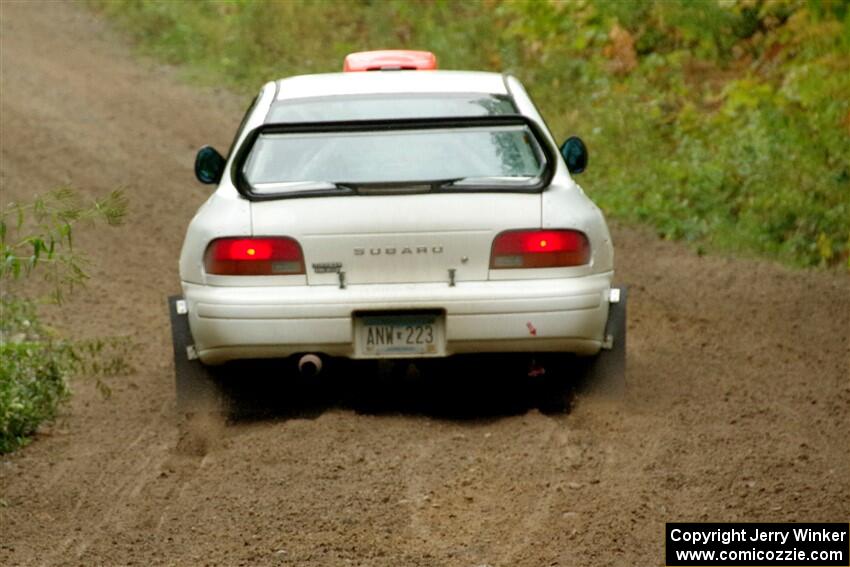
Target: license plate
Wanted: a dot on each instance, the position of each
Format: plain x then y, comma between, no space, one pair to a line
403,335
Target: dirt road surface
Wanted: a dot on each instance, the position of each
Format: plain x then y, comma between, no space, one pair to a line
738,405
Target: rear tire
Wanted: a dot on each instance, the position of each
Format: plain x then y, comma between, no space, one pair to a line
198,389
556,389
603,374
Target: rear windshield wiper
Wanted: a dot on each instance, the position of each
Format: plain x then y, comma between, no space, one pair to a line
392,187
284,187
489,181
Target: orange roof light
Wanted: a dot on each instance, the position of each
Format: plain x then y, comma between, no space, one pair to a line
390,59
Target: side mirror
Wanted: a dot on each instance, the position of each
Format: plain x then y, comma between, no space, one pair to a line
575,154
209,165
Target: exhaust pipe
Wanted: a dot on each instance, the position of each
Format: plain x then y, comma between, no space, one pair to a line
309,365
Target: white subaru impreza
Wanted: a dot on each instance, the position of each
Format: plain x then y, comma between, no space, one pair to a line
394,211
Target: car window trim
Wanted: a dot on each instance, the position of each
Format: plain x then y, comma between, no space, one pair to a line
246,190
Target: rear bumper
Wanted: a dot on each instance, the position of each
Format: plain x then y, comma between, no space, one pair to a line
546,315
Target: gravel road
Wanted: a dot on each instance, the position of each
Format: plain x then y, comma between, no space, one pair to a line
738,405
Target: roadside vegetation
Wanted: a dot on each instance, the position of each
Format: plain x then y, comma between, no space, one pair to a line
36,243
725,124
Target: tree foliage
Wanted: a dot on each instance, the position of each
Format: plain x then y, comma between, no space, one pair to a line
724,123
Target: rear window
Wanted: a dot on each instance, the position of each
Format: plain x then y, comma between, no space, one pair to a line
508,154
399,156
373,107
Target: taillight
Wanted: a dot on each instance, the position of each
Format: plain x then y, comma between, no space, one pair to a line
268,256
540,249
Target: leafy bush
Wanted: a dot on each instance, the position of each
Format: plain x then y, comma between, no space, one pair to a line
722,123
32,384
34,364
32,373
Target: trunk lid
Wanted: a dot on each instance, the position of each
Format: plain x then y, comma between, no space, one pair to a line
396,238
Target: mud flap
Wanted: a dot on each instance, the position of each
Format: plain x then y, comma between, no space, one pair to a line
197,388
606,373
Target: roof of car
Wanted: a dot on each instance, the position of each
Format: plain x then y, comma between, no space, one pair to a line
391,82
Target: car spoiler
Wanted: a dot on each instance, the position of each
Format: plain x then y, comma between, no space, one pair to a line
246,190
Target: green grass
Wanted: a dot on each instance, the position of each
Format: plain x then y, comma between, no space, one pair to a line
723,124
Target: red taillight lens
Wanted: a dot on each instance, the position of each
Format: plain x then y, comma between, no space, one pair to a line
540,249
254,257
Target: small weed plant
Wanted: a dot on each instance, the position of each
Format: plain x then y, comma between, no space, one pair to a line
36,241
